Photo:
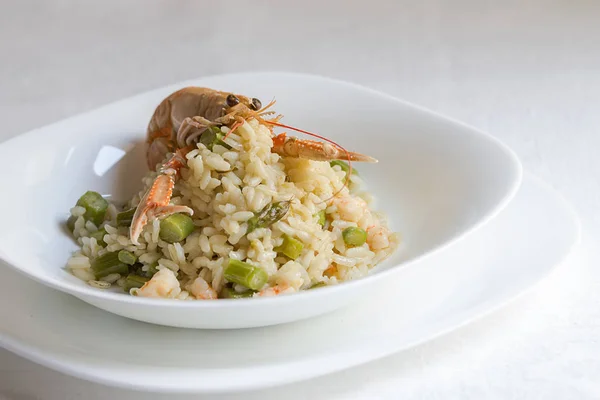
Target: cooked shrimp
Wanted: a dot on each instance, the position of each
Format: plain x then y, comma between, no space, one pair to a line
184,116
202,290
351,208
276,290
164,284
378,237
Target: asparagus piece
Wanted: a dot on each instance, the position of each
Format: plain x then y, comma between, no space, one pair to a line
134,281
95,206
212,136
245,274
127,257
176,228
291,247
107,264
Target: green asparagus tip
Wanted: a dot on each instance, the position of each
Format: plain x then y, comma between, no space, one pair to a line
268,215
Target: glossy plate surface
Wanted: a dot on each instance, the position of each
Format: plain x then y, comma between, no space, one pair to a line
481,273
437,180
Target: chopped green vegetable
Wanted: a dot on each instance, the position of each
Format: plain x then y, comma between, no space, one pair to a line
230,293
208,137
134,281
291,247
108,264
95,206
344,166
321,218
138,269
354,236
71,223
213,136
152,269
318,285
124,218
176,227
99,236
127,257
245,274
268,215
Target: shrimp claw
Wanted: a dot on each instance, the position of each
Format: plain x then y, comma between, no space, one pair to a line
155,203
290,146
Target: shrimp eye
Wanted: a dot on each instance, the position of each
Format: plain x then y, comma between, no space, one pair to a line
232,100
256,104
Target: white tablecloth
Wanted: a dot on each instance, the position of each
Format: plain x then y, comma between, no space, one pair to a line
526,71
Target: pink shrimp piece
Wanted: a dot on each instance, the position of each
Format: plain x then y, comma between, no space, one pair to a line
276,291
351,208
202,290
378,237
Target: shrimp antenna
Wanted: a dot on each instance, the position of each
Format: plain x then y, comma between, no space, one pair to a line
347,180
271,104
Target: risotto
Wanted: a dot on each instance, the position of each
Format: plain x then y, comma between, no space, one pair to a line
262,225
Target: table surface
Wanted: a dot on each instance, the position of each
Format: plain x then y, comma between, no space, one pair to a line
525,71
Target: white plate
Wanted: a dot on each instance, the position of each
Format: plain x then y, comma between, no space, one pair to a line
437,180
506,257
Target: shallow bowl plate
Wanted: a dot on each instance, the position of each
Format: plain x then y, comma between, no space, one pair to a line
437,180
478,275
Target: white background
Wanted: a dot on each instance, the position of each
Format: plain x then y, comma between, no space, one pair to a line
525,71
